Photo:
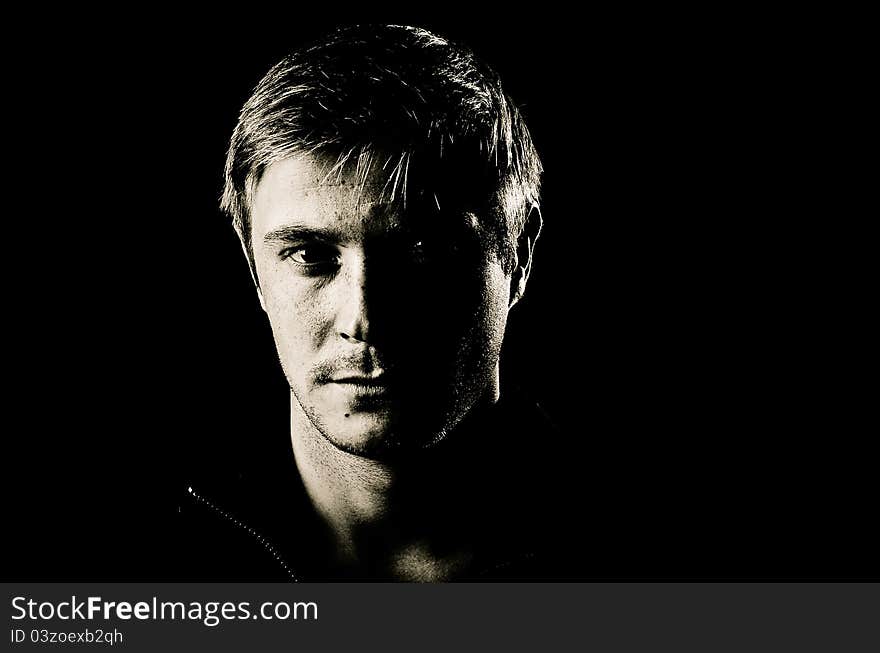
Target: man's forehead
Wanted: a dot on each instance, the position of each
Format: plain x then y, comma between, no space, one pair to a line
311,171
300,187
310,191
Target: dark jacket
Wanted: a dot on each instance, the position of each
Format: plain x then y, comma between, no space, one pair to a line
260,526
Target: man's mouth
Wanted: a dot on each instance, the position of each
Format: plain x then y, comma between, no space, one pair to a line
374,377
375,383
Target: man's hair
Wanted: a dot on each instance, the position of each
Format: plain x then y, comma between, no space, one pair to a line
424,111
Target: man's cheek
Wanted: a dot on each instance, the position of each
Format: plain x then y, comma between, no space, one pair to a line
300,334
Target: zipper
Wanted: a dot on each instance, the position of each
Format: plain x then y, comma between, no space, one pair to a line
510,562
254,534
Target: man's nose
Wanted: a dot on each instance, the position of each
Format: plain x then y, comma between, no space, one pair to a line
352,318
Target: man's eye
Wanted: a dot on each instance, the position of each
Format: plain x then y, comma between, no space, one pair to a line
311,255
429,250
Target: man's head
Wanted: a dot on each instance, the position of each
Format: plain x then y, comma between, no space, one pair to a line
386,193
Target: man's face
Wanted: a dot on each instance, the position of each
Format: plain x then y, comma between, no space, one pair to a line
388,320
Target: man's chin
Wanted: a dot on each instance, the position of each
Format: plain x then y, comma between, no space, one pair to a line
375,435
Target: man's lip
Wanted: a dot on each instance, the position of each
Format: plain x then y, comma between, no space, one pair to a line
374,387
377,380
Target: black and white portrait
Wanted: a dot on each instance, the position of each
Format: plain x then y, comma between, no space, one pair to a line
513,297
386,193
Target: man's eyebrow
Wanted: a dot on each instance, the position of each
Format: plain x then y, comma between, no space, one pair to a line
298,232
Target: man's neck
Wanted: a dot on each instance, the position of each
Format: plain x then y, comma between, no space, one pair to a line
401,519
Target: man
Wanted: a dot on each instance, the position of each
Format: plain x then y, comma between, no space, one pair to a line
386,194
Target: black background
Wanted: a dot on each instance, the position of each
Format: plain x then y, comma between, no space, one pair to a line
677,324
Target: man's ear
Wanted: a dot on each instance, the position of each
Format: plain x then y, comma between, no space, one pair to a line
525,248
251,265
